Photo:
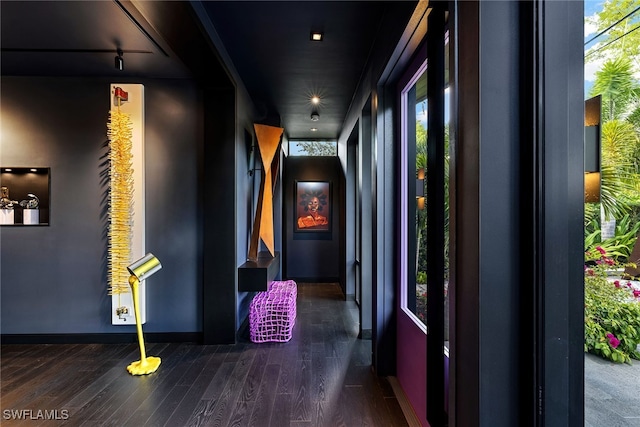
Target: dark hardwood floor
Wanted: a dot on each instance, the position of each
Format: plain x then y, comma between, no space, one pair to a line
322,377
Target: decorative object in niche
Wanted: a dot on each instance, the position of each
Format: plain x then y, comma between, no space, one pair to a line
7,213
31,186
30,212
313,206
5,201
32,203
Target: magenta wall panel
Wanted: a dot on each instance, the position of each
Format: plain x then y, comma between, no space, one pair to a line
412,364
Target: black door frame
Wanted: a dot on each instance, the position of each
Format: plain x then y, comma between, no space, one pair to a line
517,346
435,206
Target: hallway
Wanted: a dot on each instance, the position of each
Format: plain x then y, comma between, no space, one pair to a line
322,377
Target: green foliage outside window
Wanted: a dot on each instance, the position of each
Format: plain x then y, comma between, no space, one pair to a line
611,313
316,148
622,38
618,247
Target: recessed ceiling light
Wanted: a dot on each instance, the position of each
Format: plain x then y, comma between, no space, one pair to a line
315,116
313,129
33,170
315,99
316,36
8,170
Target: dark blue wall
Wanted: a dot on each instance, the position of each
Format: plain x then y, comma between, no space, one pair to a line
311,256
53,278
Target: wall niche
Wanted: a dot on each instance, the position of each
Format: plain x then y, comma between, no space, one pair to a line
27,185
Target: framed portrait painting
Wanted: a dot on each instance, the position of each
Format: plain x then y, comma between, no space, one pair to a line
313,206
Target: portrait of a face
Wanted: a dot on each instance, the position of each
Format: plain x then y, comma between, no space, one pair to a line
312,206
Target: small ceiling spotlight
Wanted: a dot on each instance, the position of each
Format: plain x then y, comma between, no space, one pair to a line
313,129
315,116
315,100
119,61
316,36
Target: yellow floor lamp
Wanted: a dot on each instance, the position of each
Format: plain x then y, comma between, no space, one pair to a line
140,270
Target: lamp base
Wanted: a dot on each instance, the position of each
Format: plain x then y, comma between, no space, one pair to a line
150,365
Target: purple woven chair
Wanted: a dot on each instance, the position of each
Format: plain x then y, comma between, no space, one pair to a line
272,314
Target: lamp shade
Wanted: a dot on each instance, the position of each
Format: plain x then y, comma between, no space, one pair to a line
145,267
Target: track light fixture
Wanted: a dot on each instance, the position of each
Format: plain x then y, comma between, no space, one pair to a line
119,61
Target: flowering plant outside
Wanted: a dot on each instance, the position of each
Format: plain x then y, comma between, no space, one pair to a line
613,341
612,312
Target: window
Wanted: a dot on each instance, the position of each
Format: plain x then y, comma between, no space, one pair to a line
414,164
415,161
313,148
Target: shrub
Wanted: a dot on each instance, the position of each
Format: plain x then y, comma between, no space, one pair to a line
612,314
618,247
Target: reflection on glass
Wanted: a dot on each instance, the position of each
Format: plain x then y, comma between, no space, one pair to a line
420,90
447,156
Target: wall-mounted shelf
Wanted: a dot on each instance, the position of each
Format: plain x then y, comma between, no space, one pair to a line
22,181
256,276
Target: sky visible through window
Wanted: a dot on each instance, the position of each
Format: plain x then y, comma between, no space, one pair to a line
421,109
591,8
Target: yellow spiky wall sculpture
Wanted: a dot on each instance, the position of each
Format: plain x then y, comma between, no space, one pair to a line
120,200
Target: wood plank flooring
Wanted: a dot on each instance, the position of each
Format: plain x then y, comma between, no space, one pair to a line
322,377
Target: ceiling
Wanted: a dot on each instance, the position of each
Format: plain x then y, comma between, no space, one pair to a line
268,42
80,38
270,45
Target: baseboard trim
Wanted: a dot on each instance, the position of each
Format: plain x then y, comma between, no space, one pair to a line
116,338
403,401
315,279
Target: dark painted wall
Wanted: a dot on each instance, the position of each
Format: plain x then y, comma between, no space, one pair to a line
398,36
352,271
53,277
313,256
219,217
200,197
